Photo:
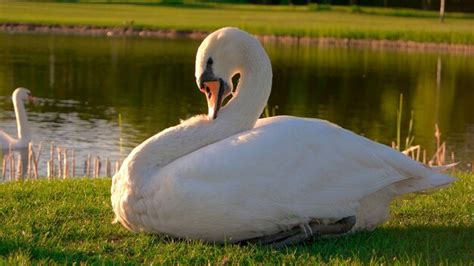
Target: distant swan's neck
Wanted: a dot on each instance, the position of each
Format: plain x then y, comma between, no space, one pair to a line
21,120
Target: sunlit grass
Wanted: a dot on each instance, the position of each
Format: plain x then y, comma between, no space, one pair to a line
339,22
67,221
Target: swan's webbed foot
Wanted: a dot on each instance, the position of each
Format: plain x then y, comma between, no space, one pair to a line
303,233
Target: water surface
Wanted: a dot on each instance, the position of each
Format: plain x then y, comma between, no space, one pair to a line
85,83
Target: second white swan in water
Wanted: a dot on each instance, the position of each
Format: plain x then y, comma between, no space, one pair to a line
230,176
19,96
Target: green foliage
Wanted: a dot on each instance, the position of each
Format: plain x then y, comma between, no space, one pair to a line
67,221
410,138
356,9
269,111
319,7
298,21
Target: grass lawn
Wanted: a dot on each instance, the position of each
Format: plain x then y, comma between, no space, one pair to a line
339,22
70,221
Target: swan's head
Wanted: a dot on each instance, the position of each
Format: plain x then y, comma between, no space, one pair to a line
22,94
220,56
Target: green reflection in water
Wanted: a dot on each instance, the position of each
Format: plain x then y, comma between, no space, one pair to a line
151,83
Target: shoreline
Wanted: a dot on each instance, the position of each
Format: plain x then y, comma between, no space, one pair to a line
102,31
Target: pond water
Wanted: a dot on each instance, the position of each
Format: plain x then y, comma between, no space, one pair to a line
85,83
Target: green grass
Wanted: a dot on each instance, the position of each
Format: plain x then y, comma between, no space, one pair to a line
339,22
67,221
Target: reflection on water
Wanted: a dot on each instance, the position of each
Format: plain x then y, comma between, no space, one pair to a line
84,83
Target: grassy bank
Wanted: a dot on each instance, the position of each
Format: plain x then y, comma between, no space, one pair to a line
313,21
70,221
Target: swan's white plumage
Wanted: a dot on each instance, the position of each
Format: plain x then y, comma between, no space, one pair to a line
19,96
224,180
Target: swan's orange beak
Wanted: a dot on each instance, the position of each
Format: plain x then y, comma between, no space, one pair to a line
214,96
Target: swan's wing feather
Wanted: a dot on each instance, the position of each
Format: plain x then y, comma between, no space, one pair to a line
5,140
283,172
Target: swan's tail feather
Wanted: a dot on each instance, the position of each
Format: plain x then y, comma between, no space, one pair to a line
423,185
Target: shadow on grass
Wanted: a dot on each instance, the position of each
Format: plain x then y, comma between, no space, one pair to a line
419,244
433,244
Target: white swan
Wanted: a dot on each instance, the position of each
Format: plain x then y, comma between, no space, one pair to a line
19,96
231,176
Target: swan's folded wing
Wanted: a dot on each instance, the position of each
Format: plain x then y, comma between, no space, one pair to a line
5,141
285,169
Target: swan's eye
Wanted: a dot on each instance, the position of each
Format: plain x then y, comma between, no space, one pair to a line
207,89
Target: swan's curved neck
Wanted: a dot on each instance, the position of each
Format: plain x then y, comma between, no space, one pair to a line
252,93
21,120
240,114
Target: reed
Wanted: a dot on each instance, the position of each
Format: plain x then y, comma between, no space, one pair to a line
65,164
414,151
410,137
60,164
73,163
269,111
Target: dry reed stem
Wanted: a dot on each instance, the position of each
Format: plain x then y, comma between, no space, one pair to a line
73,166
6,161
438,141
48,169
95,167
59,152
29,168
12,165
4,167
38,154
439,156
411,151
19,169
96,172
98,167
107,167
12,159
85,167
442,156
453,160
89,166
51,158
34,163
65,170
